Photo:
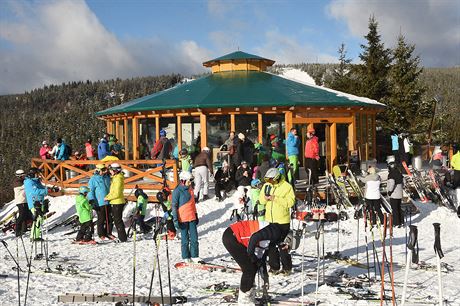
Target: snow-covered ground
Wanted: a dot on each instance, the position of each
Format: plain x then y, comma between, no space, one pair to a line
112,263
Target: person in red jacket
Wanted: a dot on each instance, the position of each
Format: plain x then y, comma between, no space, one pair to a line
45,150
312,155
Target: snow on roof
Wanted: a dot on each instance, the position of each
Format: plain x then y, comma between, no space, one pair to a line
303,77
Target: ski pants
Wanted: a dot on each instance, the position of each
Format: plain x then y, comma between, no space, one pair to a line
240,254
294,162
456,179
85,232
223,186
117,212
398,217
24,215
144,227
312,164
104,221
375,208
35,231
201,178
189,239
275,255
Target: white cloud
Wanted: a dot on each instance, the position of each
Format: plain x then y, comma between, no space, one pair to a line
433,25
58,41
286,49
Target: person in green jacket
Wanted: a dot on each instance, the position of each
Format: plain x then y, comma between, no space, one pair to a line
257,208
85,216
117,200
141,208
185,160
278,197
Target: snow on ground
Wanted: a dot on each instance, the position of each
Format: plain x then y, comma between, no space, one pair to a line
112,263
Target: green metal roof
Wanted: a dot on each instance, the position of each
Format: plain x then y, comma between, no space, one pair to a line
240,89
237,55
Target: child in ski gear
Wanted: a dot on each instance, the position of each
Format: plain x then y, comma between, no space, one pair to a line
185,161
141,208
278,197
45,150
202,166
224,182
164,198
85,215
35,195
312,155
117,199
20,200
372,194
99,185
185,217
292,146
395,191
258,209
248,242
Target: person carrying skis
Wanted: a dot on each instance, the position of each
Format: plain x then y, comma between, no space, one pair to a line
312,155
185,217
21,203
248,242
85,216
164,197
292,147
141,208
278,197
372,194
117,199
99,185
35,195
202,167
395,191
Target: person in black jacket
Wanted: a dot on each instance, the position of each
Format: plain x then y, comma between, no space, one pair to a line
244,150
243,178
247,242
224,181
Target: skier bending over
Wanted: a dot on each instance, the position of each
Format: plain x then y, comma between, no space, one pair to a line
85,216
247,242
185,217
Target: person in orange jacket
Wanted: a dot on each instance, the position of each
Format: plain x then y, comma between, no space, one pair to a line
312,155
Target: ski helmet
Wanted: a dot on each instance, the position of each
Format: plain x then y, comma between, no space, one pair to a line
224,147
83,190
205,149
115,167
272,175
139,192
161,196
185,176
390,159
100,167
183,151
162,132
255,183
20,172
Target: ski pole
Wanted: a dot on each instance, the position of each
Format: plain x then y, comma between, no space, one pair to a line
382,275
169,270
29,271
17,255
440,255
14,259
411,246
317,236
367,246
134,264
24,248
303,262
393,297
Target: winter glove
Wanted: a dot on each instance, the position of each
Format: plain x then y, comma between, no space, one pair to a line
94,204
197,220
176,225
166,215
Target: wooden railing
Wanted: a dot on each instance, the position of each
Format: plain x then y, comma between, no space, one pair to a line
145,174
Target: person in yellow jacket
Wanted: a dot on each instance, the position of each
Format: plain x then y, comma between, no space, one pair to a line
278,197
455,164
117,199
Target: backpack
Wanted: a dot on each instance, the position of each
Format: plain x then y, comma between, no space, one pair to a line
67,150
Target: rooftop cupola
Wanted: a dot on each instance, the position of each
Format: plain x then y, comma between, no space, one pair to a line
238,61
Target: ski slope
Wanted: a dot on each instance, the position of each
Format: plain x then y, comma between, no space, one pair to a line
112,263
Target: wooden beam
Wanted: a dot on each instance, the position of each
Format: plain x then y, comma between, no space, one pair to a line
232,122
204,133
179,132
125,128
157,128
117,128
374,139
352,135
288,123
333,133
260,128
108,125
135,138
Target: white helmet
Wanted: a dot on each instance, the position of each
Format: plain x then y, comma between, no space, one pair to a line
115,167
20,172
390,159
205,149
185,176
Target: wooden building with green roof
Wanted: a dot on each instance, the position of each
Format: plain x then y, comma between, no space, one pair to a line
240,95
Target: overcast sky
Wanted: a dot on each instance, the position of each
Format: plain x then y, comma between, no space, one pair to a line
54,41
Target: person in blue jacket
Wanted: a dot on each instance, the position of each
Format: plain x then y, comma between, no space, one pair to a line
292,147
99,186
63,153
35,195
103,148
395,146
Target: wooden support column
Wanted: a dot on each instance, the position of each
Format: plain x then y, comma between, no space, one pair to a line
108,125
374,139
232,123
288,123
117,127
157,128
352,135
333,144
260,127
204,132
179,132
125,134
135,138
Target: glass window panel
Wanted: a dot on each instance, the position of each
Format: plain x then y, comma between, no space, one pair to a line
121,131
342,143
218,128
273,125
247,124
190,127
146,137
170,126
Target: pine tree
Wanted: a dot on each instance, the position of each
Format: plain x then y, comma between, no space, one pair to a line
373,72
341,75
406,111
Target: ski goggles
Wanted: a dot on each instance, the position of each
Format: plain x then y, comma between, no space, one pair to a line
271,180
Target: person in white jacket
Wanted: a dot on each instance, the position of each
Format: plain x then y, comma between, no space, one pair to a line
372,194
395,191
21,203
